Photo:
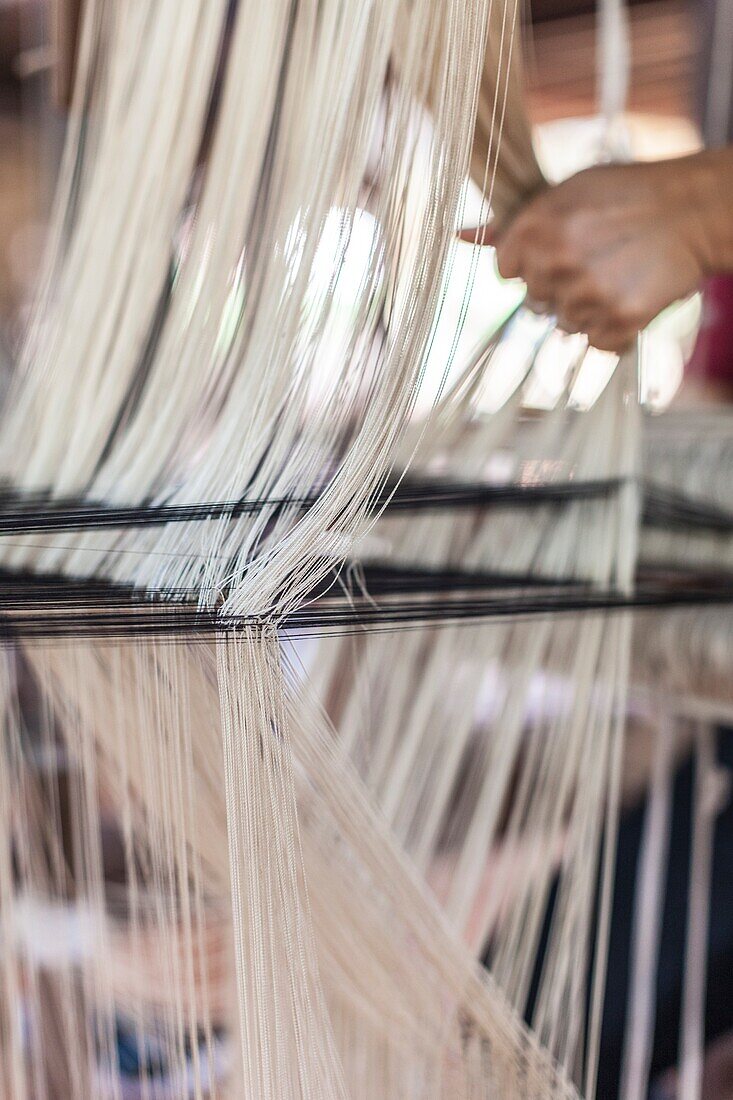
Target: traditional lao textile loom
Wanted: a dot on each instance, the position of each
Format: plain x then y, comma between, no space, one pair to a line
341,679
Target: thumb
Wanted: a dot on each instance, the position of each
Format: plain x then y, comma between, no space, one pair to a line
482,234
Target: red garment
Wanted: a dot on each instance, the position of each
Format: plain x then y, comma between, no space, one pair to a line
712,356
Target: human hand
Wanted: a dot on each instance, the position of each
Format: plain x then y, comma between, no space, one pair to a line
611,247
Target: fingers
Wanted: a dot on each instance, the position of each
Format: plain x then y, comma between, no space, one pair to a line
514,251
607,328
556,286
612,339
535,250
578,261
482,234
531,246
587,287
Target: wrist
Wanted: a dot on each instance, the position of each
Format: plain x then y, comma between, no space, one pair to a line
704,184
